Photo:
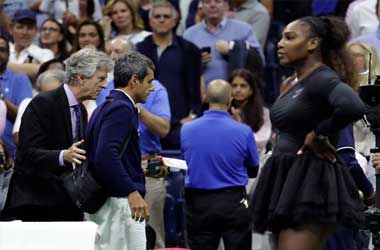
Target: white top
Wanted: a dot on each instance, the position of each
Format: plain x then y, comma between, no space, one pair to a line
3,116
263,135
38,54
58,7
20,112
361,17
135,38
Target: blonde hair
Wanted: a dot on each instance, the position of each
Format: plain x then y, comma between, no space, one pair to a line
137,22
368,49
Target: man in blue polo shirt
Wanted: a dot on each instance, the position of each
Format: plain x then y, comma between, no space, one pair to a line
14,88
221,154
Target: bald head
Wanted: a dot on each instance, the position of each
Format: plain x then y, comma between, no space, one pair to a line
219,92
119,46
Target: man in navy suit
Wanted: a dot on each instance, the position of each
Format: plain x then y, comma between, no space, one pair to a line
122,218
51,134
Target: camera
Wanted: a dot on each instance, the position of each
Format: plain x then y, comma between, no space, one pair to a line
370,94
154,167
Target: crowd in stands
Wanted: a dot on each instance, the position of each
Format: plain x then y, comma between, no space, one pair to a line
191,43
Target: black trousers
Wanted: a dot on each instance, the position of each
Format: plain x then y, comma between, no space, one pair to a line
218,214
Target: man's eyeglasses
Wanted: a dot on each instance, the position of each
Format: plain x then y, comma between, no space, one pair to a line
49,30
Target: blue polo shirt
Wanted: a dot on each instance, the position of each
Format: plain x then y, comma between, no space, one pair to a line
158,104
218,150
228,30
15,87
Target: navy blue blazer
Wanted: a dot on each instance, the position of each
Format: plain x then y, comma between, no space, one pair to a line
110,125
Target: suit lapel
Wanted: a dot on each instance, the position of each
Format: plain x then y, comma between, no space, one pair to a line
83,122
66,113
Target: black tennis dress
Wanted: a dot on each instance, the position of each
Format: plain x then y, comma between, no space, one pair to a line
292,189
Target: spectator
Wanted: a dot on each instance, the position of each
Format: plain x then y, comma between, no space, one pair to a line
361,17
364,139
15,87
372,38
216,32
47,81
114,127
226,153
52,64
361,53
51,135
89,35
117,46
255,14
80,9
25,56
122,18
52,36
248,106
178,65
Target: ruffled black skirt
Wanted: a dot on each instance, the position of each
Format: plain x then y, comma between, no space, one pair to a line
304,189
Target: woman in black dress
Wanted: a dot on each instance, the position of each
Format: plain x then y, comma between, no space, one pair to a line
304,191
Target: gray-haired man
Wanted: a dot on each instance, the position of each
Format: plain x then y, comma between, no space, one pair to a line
51,133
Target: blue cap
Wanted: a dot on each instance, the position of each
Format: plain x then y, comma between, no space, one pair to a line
24,14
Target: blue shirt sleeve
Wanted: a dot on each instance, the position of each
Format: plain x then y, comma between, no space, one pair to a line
23,88
159,103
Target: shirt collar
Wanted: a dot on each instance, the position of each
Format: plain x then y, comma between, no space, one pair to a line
217,112
70,96
220,25
130,98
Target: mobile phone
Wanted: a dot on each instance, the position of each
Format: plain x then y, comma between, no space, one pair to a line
206,49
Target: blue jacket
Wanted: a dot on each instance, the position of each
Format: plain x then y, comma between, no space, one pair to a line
111,123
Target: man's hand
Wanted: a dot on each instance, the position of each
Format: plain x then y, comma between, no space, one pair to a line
376,160
206,57
222,47
74,154
139,208
235,112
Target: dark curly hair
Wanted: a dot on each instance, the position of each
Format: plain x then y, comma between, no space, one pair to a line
334,34
252,111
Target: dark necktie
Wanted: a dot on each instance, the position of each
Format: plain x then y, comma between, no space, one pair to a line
78,117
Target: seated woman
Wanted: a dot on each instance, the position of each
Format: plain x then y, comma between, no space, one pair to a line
121,18
52,36
89,35
360,52
247,106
